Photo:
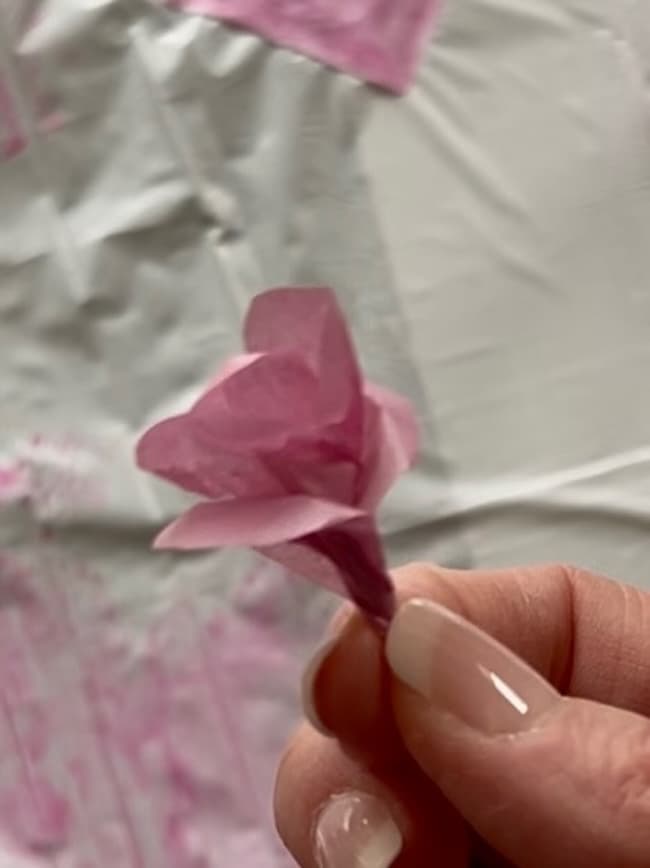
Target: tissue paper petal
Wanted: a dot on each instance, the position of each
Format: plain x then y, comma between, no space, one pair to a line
301,559
254,522
311,326
393,437
400,423
260,406
231,366
346,558
356,550
185,456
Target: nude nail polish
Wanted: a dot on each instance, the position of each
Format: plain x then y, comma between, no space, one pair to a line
463,672
356,830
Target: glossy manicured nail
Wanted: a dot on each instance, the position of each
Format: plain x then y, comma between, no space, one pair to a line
464,672
356,830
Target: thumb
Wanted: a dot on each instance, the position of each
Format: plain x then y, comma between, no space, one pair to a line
544,780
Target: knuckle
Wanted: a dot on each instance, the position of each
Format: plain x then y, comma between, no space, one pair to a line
607,753
566,573
629,773
422,580
415,571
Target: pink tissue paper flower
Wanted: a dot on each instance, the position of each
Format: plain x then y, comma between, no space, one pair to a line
291,451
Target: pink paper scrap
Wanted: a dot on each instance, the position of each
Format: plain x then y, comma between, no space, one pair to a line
380,41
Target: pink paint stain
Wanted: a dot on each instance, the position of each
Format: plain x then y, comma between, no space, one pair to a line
54,476
12,483
37,815
377,40
148,758
14,137
174,715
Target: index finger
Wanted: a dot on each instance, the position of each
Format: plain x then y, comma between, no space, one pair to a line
588,635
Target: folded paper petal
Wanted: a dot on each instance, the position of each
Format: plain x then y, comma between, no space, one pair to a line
315,469
401,424
311,326
356,550
176,451
392,439
252,522
287,319
301,559
231,366
260,406
169,450
346,558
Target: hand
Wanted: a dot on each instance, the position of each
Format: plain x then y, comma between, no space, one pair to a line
443,746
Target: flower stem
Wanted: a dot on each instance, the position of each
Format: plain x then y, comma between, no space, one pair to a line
367,582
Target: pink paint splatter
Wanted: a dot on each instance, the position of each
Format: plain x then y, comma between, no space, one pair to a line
36,815
139,747
12,483
14,137
136,750
54,475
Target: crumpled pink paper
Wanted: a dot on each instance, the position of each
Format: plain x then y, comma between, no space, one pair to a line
291,450
377,40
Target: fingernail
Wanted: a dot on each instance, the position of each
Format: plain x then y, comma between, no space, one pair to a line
464,672
356,830
308,686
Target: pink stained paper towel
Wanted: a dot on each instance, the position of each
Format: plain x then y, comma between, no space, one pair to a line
377,40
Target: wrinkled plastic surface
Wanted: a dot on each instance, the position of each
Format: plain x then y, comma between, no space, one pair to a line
488,237
512,188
